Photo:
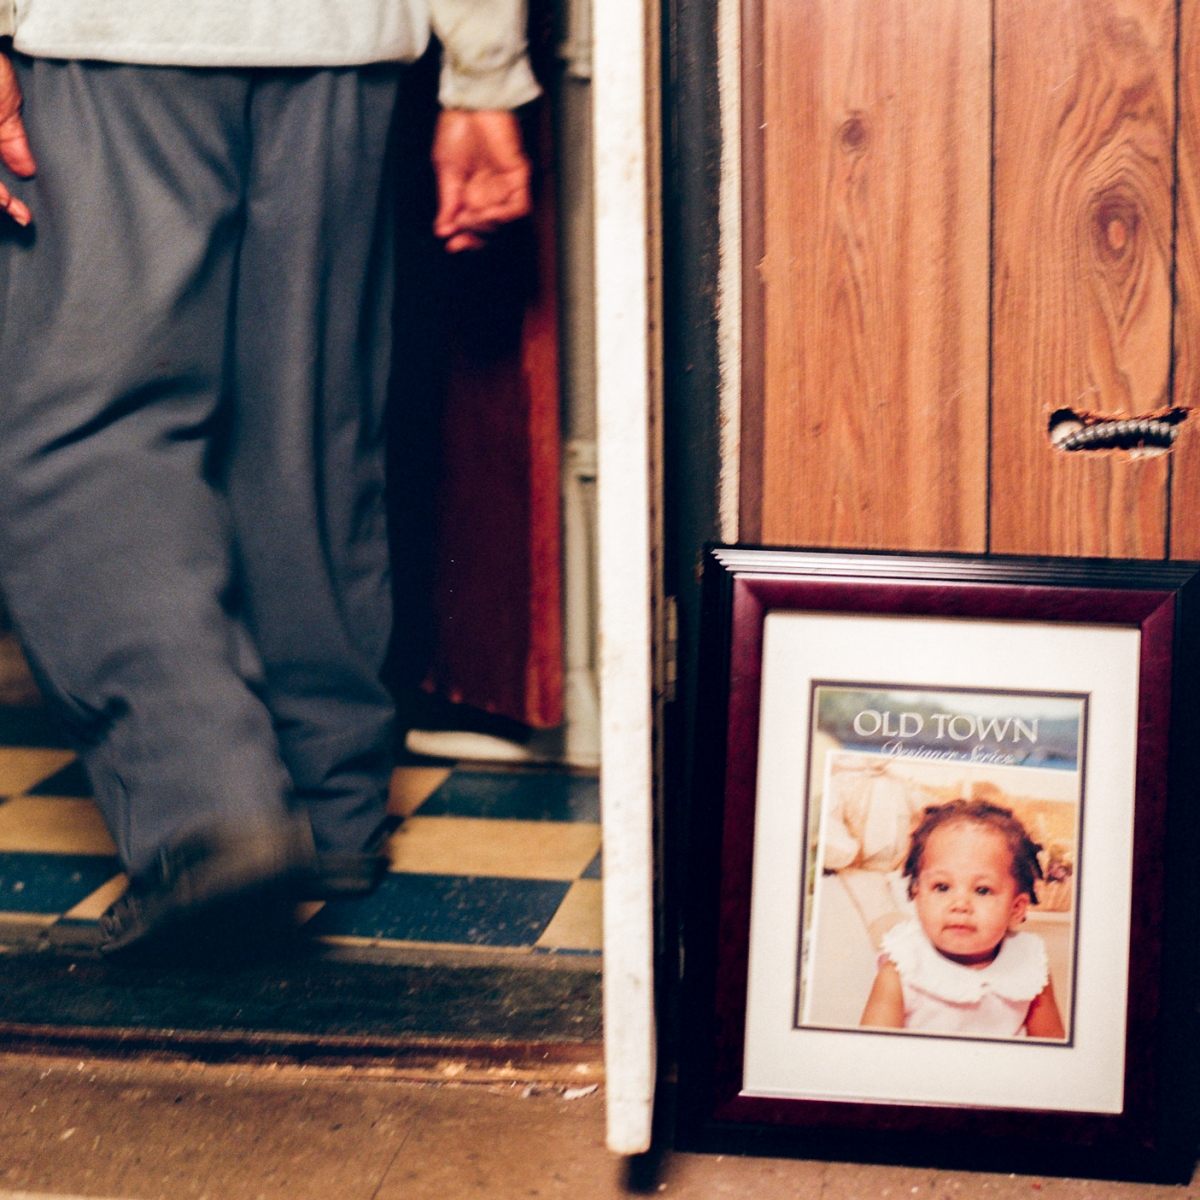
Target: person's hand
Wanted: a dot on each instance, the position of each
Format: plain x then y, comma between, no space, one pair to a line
14,144
482,174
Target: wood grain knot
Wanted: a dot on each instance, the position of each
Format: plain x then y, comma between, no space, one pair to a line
1115,217
854,135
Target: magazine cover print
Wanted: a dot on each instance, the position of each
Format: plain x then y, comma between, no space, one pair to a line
942,861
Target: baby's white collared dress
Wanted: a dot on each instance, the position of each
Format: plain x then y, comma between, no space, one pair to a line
941,996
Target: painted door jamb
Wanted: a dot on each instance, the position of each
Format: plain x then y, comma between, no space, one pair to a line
625,83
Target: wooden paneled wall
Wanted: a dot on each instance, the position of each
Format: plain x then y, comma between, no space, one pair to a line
1185,470
1083,188
961,218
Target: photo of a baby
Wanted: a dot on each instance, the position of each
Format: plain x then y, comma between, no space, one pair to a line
941,874
963,965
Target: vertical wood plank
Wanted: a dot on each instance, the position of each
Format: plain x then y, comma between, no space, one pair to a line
753,361
1185,476
1083,195
876,207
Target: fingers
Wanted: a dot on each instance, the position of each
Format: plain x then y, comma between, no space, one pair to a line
464,241
480,205
14,147
451,184
15,209
494,198
14,144
483,176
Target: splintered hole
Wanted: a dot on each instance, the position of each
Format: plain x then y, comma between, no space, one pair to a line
1071,430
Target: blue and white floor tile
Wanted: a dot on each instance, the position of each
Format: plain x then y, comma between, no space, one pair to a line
505,858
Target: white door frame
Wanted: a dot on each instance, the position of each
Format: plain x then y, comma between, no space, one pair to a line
625,83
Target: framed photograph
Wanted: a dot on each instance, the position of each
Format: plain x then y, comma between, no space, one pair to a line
943,852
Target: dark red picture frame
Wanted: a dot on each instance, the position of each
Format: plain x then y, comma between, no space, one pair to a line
1155,1136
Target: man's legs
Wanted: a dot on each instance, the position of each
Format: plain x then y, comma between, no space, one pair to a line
114,548
306,470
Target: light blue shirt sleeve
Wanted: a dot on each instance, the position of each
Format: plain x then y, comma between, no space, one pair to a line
485,63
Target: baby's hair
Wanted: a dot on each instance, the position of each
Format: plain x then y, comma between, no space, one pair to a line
1024,850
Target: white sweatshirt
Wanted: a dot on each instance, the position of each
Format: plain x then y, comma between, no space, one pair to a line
484,62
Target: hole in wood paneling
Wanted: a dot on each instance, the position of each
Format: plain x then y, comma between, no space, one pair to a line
1072,430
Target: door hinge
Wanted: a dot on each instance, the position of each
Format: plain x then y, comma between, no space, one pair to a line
670,648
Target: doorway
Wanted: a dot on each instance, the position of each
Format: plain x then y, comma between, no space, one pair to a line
487,929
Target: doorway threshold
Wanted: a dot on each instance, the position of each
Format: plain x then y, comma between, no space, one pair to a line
480,950
432,1017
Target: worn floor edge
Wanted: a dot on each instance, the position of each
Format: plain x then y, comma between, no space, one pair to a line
417,1058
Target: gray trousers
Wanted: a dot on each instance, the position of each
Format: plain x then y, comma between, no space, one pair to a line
194,351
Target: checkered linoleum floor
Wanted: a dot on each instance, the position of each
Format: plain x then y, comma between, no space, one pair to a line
501,859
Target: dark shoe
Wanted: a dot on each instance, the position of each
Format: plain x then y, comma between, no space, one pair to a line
217,887
341,875
344,874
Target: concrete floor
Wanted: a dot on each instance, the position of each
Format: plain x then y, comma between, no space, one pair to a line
144,1131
